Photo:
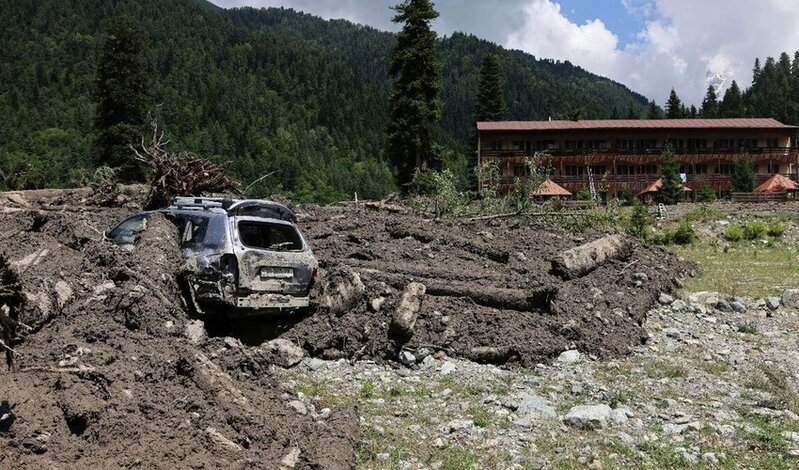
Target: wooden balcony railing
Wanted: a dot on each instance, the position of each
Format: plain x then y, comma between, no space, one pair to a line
652,151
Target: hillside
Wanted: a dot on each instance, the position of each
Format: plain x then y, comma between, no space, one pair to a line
272,90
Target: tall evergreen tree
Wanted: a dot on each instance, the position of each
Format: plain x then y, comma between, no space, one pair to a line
615,113
743,175
121,97
756,69
692,112
653,112
710,105
491,105
732,105
672,190
674,107
414,106
632,113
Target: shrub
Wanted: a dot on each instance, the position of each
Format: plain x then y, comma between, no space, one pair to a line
754,230
705,194
627,197
640,220
665,237
583,194
684,235
776,230
734,233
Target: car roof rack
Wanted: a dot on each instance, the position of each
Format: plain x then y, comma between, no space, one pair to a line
253,207
191,202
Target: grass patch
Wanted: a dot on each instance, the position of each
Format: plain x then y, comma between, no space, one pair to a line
662,369
368,389
743,271
714,367
748,328
779,383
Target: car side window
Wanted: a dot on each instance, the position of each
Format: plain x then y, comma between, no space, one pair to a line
192,230
127,231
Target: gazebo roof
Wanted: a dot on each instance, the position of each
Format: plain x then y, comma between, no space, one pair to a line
551,188
777,183
655,187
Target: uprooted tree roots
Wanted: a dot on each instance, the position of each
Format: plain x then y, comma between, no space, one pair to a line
180,174
11,300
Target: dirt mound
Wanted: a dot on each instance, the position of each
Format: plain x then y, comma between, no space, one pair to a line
106,377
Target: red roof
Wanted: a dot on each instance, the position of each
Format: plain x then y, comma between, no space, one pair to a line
654,187
551,188
737,123
777,183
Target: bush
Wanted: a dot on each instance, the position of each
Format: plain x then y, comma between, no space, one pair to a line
439,193
665,237
734,233
754,230
640,220
705,194
776,230
627,197
684,235
583,194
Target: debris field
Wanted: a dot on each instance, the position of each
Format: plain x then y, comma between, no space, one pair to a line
110,369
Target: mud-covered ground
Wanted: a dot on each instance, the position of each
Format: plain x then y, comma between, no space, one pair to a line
113,372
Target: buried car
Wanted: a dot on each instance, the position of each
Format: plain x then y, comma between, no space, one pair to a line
242,256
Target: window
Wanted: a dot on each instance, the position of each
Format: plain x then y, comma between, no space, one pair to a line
748,143
624,144
574,170
598,169
519,170
676,143
625,169
773,168
127,231
724,143
496,145
693,169
573,144
724,169
278,237
644,144
697,143
599,144
772,143
647,169
518,145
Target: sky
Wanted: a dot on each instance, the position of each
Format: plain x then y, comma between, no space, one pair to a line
651,46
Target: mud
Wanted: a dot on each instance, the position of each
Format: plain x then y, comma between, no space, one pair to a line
108,377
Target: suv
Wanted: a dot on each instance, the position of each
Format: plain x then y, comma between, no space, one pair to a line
245,254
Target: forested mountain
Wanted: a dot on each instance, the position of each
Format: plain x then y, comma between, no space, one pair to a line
271,90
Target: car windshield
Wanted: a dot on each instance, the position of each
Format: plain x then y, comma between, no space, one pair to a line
278,237
126,232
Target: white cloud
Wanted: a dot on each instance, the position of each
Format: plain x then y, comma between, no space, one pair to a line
681,42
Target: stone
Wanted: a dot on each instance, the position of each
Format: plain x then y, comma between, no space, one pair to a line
588,416
315,363
672,428
678,305
723,306
459,425
195,331
376,304
569,357
217,437
535,406
725,430
665,299
773,303
404,318
298,406
619,416
672,332
447,368
291,459
407,358
710,458
639,276
738,307
63,293
284,352
790,298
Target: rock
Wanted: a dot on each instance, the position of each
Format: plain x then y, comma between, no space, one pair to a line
588,416
710,458
619,416
535,406
447,368
63,292
672,332
376,304
738,307
438,443
314,363
672,428
404,318
723,306
217,437
6,420
195,331
678,305
407,358
459,425
340,290
704,297
284,352
569,357
665,299
773,303
298,406
291,459
639,276
790,298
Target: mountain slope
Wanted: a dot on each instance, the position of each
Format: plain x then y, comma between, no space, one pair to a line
274,91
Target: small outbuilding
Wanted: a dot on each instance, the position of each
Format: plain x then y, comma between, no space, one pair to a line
777,184
550,188
649,192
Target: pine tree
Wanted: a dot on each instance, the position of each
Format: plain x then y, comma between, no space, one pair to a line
491,104
743,175
121,97
732,106
710,105
615,113
653,112
632,113
414,106
674,107
672,190
756,69
692,112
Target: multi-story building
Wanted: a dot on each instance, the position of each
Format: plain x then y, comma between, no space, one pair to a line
618,154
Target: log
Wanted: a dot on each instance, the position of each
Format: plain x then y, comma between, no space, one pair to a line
581,260
397,230
404,318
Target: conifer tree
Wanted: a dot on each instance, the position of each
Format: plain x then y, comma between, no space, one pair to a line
743,175
732,105
632,113
491,104
121,97
672,190
674,107
414,106
710,105
653,112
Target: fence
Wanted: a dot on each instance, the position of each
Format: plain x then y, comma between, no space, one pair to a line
759,197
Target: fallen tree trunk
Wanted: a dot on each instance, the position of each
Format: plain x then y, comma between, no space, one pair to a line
583,259
480,249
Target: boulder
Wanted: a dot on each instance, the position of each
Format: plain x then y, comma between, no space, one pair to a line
665,299
790,298
284,353
569,357
404,319
588,416
773,303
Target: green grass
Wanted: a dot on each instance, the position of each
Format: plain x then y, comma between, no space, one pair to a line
743,270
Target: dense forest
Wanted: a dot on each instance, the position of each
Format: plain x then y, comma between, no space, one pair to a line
270,90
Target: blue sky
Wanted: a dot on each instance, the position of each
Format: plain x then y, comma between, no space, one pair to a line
651,46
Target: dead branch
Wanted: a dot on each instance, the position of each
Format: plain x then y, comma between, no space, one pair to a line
180,174
261,178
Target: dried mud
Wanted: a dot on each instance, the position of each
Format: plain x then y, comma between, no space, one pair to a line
106,376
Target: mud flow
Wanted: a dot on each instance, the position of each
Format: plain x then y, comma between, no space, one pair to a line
111,369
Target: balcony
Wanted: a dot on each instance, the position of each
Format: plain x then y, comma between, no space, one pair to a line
685,153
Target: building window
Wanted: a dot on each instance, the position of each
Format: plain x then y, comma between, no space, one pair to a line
773,168
676,143
724,169
625,169
495,145
693,169
747,143
694,144
574,170
573,144
624,144
598,169
724,144
647,169
647,144
771,143
518,145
